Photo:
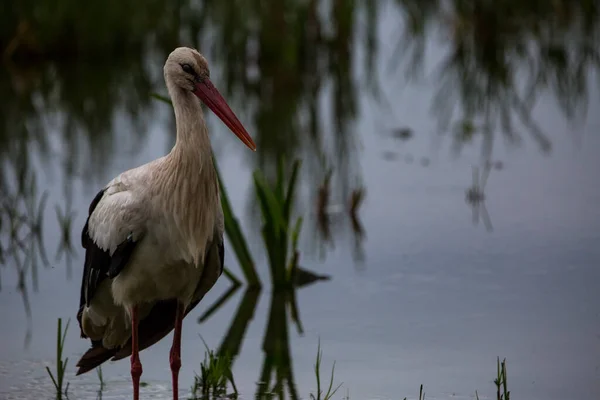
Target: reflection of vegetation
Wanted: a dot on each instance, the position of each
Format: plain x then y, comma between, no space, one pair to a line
294,66
498,48
275,344
216,372
356,198
280,241
72,104
57,65
65,221
279,57
281,60
33,31
22,210
21,239
475,196
24,214
323,215
61,366
276,373
71,81
403,133
101,380
325,212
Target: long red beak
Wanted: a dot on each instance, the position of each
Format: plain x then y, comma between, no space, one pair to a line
210,96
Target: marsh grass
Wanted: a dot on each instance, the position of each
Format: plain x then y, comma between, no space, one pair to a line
61,366
236,239
279,231
330,391
502,392
215,372
421,393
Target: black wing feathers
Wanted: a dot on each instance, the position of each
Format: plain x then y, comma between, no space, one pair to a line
99,264
221,256
120,257
85,243
93,204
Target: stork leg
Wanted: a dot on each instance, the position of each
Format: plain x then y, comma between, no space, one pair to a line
136,365
175,356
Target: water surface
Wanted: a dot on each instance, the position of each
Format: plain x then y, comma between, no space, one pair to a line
435,300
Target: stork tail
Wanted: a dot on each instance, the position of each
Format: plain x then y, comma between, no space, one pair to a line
94,357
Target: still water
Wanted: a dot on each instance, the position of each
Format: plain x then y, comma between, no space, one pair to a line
435,299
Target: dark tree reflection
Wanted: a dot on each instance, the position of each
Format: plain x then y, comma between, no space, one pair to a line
283,60
82,77
502,55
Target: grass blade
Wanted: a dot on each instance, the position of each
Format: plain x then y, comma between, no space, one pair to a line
162,98
291,190
236,237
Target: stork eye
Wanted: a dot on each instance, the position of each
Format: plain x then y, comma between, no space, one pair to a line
187,68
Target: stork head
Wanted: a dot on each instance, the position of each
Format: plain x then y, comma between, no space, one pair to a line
187,69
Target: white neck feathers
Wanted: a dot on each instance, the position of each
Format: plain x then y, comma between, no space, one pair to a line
190,187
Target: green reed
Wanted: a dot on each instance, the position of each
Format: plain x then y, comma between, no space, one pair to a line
236,238
502,392
61,365
330,391
215,372
280,233
421,393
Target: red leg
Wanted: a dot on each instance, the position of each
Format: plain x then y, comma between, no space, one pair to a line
175,356
136,365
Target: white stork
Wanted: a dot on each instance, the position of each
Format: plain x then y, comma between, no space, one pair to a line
153,238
